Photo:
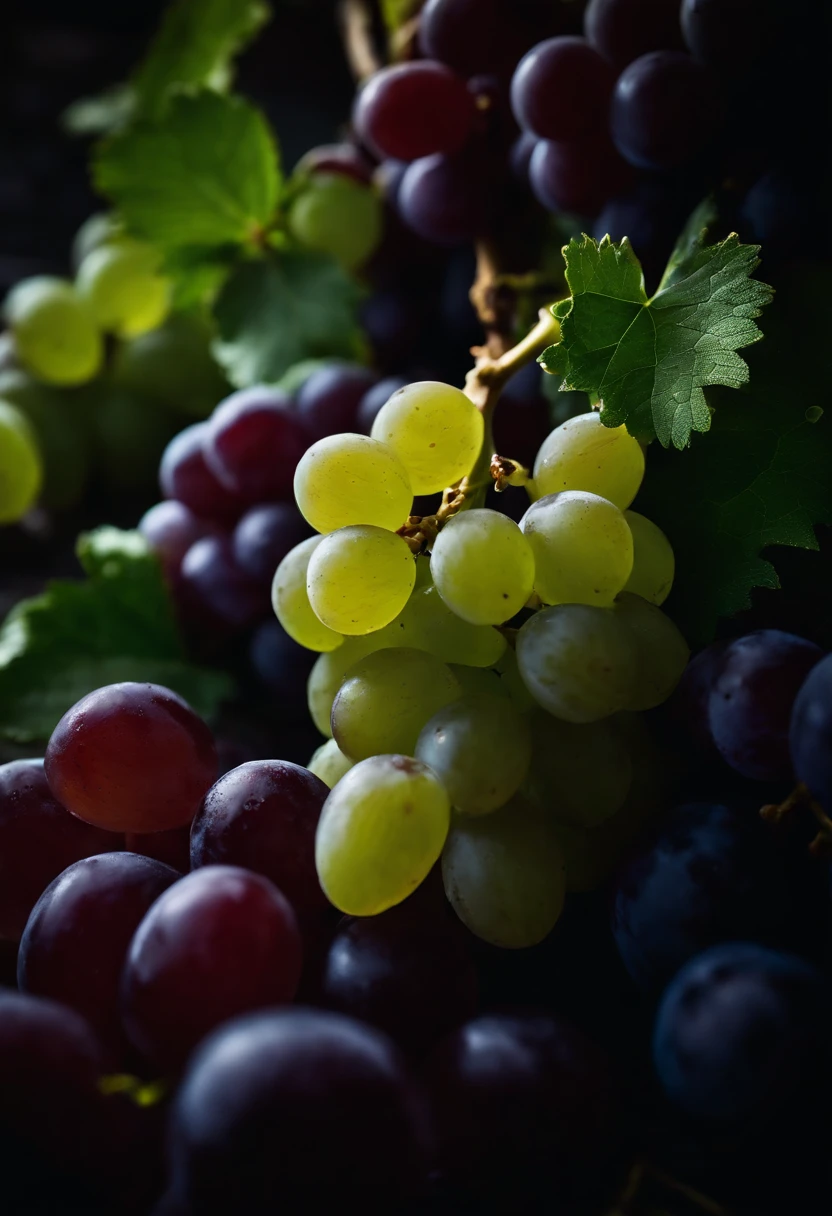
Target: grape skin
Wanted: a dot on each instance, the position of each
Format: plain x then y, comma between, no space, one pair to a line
810,733
582,546
428,623
583,454
55,331
329,763
661,652
654,563
291,601
483,566
337,216
580,774
560,89
359,579
436,431
21,469
414,109
352,479
121,282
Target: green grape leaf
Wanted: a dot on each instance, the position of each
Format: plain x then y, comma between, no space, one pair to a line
116,625
274,313
205,177
648,359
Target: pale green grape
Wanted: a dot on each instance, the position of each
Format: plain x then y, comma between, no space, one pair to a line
653,562
512,682
359,579
55,331
327,675
661,652
481,748
291,602
479,681
20,465
329,763
437,629
504,874
578,662
483,566
435,430
173,365
583,454
380,833
61,434
582,546
122,283
424,578
338,216
98,230
352,479
579,773
386,699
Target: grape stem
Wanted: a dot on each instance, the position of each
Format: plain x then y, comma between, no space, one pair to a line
775,813
631,1199
358,34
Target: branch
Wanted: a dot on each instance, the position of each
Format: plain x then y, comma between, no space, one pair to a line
357,31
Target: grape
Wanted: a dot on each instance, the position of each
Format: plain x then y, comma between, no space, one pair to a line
483,566
583,454
511,683
291,602
740,1032
173,848
359,579
480,748
329,763
651,215
281,665
624,29
352,479
393,321
520,157
21,469
580,774
381,830
374,399
62,444
55,332
661,653
431,625
343,159
170,528
270,1097
122,283
582,547
131,758
464,34
326,677
38,839
219,942
731,33
810,733
664,110
337,216
173,365
414,109
561,88
98,229
577,176
77,937
262,816
654,564
253,443
329,400
128,434
435,430
213,587
578,661
750,704
442,198
264,536
504,875
184,475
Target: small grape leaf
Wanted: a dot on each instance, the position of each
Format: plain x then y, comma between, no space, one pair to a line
116,625
648,360
274,313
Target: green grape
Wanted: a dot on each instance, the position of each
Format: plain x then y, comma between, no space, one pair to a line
512,682
385,700
653,562
98,230
504,874
56,418
121,282
352,479
55,332
582,546
20,465
479,681
436,431
291,602
483,566
578,662
423,574
446,635
579,773
583,454
480,747
380,833
329,763
174,366
129,436
661,652
359,579
337,216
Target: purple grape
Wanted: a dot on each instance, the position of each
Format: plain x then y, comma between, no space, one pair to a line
561,89
264,536
687,709
464,34
328,401
651,215
664,110
442,198
215,589
372,401
170,528
578,176
392,321
173,847
413,110
730,33
344,160
520,157
810,734
281,665
388,179
253,443
624,29
184,476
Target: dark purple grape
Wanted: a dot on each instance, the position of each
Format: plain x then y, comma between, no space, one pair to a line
730,33
520,157
297,1110
780,207
578,176
219,942
170,528
664,110
687,709
253,443
752,697
651,215
392,321
810,734
78,935
413,110
184,475
464,34
344,160
442,198
561,89
173,847
214,589
328,401
624,29
372,401
264,536
38,839
388,179
281,665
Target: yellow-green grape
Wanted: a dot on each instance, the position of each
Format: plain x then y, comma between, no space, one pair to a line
505,876
481,748
123,285
55,331
447,635
338,216
386,699
583,454
62,436
483,566
329,763
100,229
653,562
582,546
359,579
512,682
20,465
380,833
291,602
435,430
173,365
578,662
580,774
661,652
479,681
352,479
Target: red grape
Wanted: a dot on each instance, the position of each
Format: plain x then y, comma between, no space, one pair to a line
342,159
184,475
414,109
252,444
170,528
